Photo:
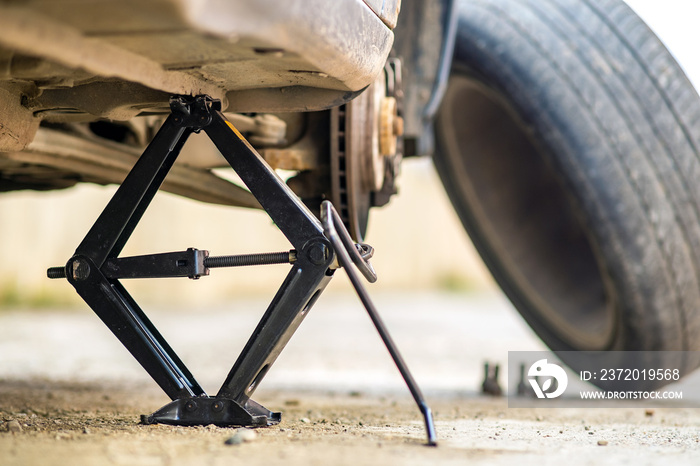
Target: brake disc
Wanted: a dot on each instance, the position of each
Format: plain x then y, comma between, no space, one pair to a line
366,150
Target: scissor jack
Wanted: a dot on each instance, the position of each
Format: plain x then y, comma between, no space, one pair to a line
320,247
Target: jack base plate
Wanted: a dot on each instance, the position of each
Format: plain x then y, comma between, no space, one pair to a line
220,412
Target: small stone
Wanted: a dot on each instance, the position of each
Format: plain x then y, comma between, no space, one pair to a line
248,435
14,426
242,435
235,440
305,420
539,418
86,431
649,412
602,443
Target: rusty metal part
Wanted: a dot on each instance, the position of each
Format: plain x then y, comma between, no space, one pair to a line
390,127
263,129
309,149
269,130
17,124
103,162
393,161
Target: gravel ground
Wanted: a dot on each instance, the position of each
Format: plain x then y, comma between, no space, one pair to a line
69,394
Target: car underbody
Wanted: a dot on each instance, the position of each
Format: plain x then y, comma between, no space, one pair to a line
85,84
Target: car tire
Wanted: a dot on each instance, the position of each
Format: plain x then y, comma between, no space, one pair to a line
568,142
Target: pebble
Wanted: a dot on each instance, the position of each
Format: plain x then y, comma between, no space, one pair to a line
602,443
14,427
235,440
305,420
649,412
242,435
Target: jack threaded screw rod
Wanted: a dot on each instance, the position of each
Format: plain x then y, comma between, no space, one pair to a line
241,260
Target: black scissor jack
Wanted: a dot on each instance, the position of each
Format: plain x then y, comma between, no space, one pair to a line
319,248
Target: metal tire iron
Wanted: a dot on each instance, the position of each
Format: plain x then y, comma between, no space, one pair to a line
96,268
